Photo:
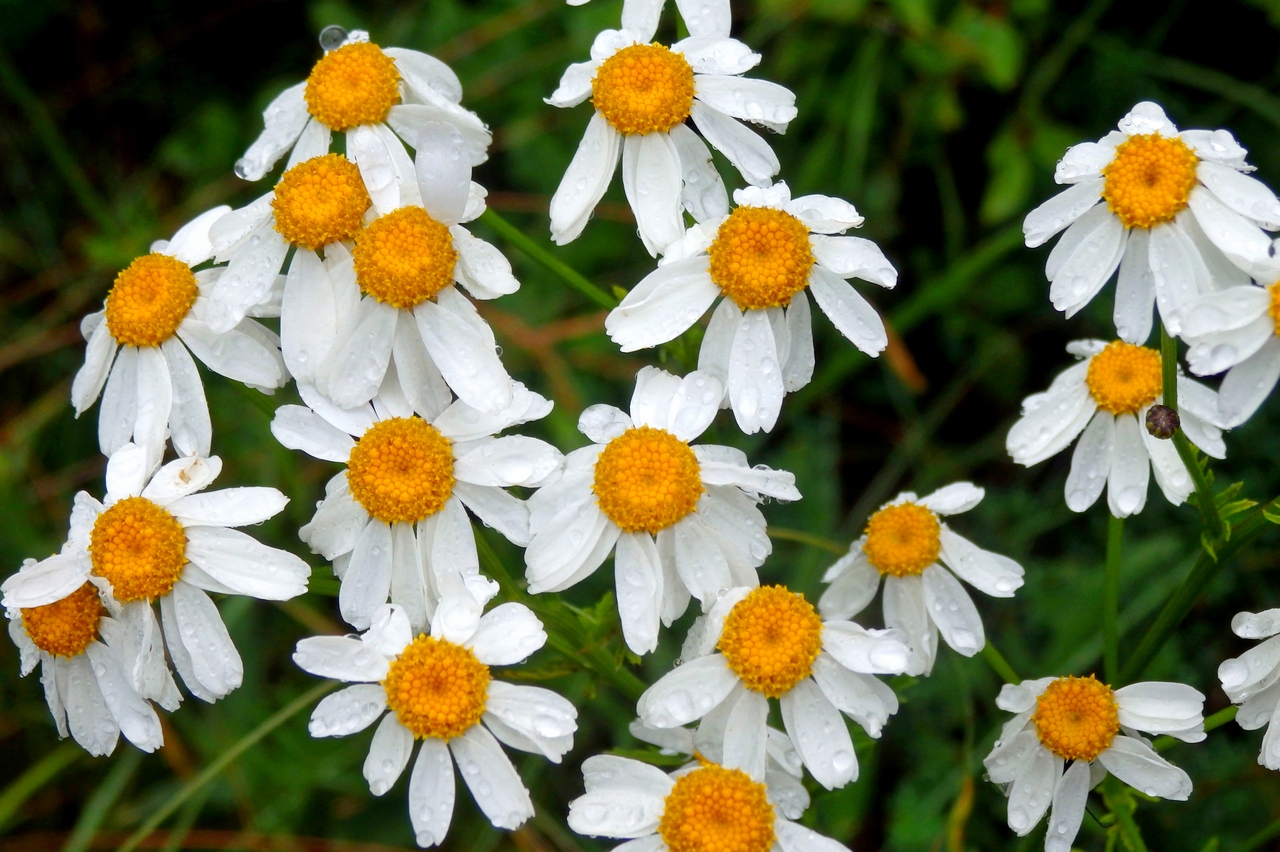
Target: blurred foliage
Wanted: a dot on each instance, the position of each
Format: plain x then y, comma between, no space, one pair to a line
940,119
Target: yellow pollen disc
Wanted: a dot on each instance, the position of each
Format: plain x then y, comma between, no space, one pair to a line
1274,290
761,257
320,201
353,85
436,688
1076,718
644,88
401,470
715,809
65,628
404,257
1149,180
139,547
647,479
770,639
1122,378
150,299
902,539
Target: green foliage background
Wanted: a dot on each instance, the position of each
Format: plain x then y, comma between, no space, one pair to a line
940,120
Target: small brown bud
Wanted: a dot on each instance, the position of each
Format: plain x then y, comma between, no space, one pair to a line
1162,422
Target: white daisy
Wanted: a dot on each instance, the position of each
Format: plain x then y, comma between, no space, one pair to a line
783,767
920,558
77,646
769,642
380,97
1235,330
642,94
154,539
158,311
440,690
1172,210
1095,730
1252,680
394,522
643,15
1106,397
761,258
392,299
683,517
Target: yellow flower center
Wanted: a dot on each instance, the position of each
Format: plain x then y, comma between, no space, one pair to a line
644,88
65,628
404,257
401,470
436,688
353,85
1122,378
647,479
716,809
1149,179
761,257
139,548
1076,718
320,201
1274,290
770,639
149,300
902,539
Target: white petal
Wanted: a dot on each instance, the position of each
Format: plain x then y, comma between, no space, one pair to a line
575,85
214,659
651,178
701,564
47,581
745,734
467,361
819,734
602,423
1032,790
717,342
854,257
1240,240
621,813
341,658
507,635
1021,697
348,711
1081,273
1130,468
866,700
314,141
748,153
1083,161
793,837
797,369
483,270
569,548
585,180
496,509
389,754
300,428
850,590
605,771
1223,310
1160,707
391,629
953,499
245,565
1135,290
991,573
1174,261
424,387
687,693
358,362
663,305
368,579
755,376
247,280
1137,765
283,121
443,170
88,716
706,18
822,214
1051,420
1069,799
190,244
407,119
1260,625
247,353
1245,195
1060,211
492,779
190,428
865,651
1248,384
506,461
851,314
953,611
539,716
178,478
99,355
703,195
638,576
1092,462
904,608
748,99
230,507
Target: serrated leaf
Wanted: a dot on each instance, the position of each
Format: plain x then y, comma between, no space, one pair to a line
1209,545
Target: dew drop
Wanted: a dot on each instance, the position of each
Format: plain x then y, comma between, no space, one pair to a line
332,37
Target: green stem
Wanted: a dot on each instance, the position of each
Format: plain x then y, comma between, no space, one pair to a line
1130,829
1111,600
999,664
39,774
102,800
214,769
1217,720
1186,452
538,254
1271,832
821,543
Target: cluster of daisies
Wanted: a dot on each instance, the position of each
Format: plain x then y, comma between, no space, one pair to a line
364,262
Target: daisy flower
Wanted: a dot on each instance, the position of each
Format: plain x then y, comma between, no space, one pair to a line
761,258
156,540
705,806
643,15
1236,330
1104,399
769,642
440,690
920,559
140,346
683,517
1094,729
77,646
379,97
1171,210
392,299
394,522
1251,679
643,93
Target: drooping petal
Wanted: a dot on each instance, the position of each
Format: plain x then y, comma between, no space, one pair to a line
585,180
492,779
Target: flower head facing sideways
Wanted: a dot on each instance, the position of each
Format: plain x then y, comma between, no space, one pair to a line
380,97
394,522
156,539
683,517
390,298
80,651
769,642
1173,210
761,258
156,316
1104,400
920,558
1092,730
643,93
1252,680
439,689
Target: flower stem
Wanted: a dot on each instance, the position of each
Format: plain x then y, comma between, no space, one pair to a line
999,664
1217,720
546,259
1187,452
1111,600
802,537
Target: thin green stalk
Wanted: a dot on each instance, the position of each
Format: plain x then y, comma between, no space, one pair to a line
1111,600
102,801
999,664
214,769
538,254
39,774
1186,452
1257,841
1129,829
802,537
1217,720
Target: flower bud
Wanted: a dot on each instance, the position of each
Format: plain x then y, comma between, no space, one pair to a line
1162,422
